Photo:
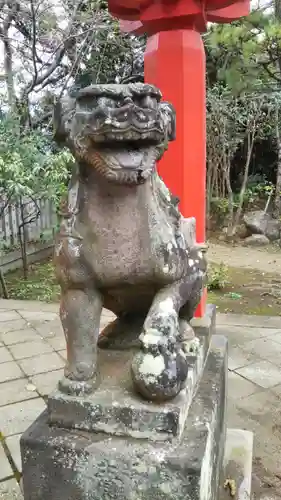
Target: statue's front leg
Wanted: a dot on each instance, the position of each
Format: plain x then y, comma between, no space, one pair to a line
80,314
160,368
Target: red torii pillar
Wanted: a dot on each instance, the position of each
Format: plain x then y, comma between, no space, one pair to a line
175,62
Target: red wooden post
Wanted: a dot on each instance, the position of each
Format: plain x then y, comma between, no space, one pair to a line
175,62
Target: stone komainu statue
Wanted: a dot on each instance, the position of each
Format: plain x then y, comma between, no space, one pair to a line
123,243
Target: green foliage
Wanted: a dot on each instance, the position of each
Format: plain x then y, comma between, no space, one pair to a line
235,123
217,277
244,55
40,285
28,166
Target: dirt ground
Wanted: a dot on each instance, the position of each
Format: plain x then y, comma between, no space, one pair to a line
254,279
267,260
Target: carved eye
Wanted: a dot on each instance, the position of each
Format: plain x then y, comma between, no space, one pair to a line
107,102
87,102
147,102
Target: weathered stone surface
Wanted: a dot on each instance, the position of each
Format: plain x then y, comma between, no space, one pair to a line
10,371
5,355
273,230
46,383
237,465
13,444
30,349
15,418
40,364
5,468
258,222
10,490
123,243
256,240
9,316
60,463
206,325
115,408
18,336
238,387
15,391
265,323
263,373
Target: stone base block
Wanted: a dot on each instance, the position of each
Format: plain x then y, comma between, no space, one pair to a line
237,465
116,409
205,326
70,464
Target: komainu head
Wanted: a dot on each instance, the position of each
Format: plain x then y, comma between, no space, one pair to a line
119,130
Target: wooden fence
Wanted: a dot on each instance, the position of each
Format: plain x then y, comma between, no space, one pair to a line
39,219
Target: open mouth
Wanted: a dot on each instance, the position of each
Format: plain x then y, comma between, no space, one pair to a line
131,138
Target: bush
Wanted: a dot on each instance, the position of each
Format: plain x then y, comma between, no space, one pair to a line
217,277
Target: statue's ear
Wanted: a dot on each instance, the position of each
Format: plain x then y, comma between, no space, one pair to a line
169,115
62,110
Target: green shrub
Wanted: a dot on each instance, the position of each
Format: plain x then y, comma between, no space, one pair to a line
217,277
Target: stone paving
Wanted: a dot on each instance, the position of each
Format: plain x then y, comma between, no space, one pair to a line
32,354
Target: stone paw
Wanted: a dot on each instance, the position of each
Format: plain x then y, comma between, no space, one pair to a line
76,387
191,346
78,381
159,376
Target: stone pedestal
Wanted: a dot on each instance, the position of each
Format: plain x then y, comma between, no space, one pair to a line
114,445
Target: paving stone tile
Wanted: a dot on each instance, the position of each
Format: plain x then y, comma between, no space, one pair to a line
45,383
16,418
16,324
5,355
239,335
246,320
5,468
276,337
29,349
238,357
18,336
9,315
41,364
35,305
10,371
39,315
63,354
238,387
13,444
57,343
276,390
30,305
10,490
267,444
262,373
15,391
48,329
265,348
262,406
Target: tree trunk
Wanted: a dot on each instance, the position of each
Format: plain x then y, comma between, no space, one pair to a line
3,284
250,142
277,199
8,67
22,238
